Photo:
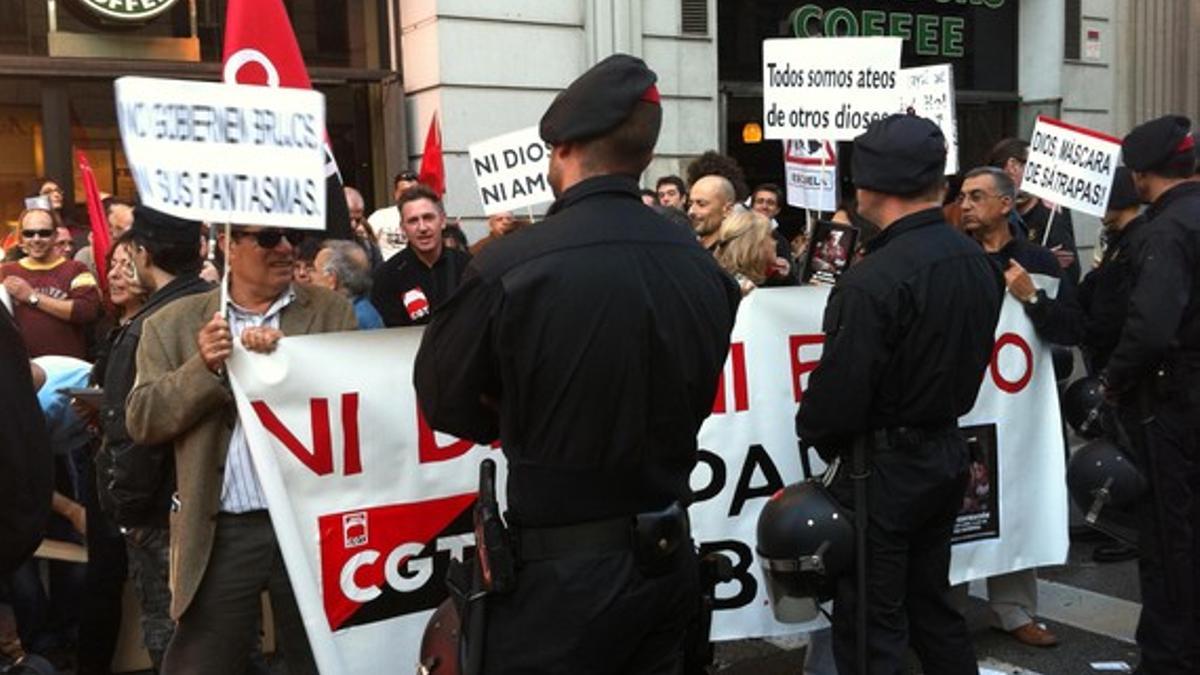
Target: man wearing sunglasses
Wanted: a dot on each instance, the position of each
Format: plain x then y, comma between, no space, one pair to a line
385,221
223,547
54,299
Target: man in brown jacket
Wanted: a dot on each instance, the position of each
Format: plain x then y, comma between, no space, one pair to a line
223,547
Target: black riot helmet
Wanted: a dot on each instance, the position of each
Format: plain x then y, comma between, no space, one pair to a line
441,644
1083,406
805,542
1105,484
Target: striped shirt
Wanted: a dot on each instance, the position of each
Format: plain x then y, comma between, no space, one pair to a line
241,491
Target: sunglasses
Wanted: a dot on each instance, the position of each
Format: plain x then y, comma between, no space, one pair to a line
271,237
43,234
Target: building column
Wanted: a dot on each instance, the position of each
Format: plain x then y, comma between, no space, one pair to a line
613,26
56,137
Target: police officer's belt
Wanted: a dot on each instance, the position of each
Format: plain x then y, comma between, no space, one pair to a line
898,438
652,534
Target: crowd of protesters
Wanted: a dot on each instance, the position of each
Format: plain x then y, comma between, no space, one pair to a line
407,259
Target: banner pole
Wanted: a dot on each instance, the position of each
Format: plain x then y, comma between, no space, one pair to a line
1049,224
225,273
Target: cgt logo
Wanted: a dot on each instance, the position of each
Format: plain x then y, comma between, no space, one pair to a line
388,561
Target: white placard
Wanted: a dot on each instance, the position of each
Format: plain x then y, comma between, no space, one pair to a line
1071,166
828,88
511,171
811,169
225,152
928,91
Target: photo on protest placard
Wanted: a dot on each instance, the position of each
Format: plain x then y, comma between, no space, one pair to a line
828,88
829,252
512,171
928,91
979,517
225,153
1071,166
811,171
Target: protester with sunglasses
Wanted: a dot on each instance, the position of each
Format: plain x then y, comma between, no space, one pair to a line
54,299
223,550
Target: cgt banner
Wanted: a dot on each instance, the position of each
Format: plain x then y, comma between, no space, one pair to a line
370,504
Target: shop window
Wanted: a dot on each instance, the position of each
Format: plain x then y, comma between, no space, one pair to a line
695,17
1074,30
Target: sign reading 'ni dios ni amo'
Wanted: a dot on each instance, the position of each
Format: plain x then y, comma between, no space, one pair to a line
1071,165
225,153
512,171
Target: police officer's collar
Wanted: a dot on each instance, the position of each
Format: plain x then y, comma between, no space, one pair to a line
913,221
1183,189
595,185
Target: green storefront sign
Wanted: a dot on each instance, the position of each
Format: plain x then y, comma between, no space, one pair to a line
128,10
926,34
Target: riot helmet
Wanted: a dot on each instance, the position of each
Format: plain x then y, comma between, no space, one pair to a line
441,646
805,542
1105,484
1083,406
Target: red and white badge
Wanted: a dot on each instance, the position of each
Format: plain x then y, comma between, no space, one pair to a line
416,303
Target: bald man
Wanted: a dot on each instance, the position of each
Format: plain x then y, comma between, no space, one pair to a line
711,199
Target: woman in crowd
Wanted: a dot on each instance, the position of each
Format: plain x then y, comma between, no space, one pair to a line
745,247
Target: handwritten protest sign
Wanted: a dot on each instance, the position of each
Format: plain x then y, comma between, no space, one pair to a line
1071,165
828,88
928,91
225,152
811,168
511,171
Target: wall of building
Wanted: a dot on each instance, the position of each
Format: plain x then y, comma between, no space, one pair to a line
487,68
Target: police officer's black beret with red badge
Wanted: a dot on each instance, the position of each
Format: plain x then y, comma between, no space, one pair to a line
899,155
599,100
1155,144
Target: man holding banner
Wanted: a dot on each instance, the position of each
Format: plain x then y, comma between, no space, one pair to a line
223,548
590,344
908,336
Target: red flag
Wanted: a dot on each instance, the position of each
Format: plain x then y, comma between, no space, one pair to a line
433,170
100,239
261,48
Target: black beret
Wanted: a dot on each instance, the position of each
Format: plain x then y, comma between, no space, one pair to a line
899,155
165,228
1153,144
599,100
1123,194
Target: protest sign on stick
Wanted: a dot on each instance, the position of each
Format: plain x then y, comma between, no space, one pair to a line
511,171
811,170
1071,166
828,88
928,91
225,153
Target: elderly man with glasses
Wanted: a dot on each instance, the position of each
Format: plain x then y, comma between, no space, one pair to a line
223,547
54,298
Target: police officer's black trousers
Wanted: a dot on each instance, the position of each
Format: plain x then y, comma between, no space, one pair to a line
593,614
914,496
1168,631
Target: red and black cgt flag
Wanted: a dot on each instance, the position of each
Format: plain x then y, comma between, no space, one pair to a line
261,48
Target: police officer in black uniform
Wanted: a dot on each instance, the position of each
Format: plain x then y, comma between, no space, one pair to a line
1154,376
908,335
590,344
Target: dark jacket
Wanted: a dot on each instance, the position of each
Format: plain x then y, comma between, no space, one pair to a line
590,344
908,334
135,482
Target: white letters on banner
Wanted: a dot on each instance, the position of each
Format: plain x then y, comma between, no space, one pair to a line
828,88
1071,166
928,91
511,171
225,152
369,504
811,168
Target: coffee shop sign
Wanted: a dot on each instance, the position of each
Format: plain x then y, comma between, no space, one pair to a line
128,10
929,34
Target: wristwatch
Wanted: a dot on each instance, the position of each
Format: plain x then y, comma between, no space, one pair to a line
33,299
1033,299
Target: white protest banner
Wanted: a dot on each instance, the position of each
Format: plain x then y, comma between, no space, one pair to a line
511,171
928,91
225,153
370,504
811,169
1071,166
828,88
